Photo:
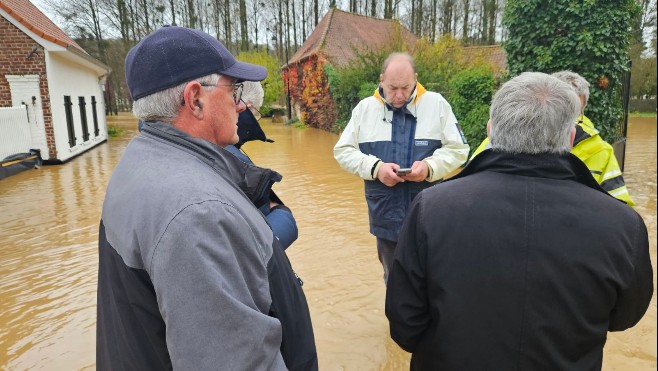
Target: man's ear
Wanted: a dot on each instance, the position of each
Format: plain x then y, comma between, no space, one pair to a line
191,99
381,78
489,127
572,136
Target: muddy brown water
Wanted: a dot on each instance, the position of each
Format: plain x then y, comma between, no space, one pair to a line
48,254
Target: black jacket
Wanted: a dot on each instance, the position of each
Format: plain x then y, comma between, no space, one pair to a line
519,263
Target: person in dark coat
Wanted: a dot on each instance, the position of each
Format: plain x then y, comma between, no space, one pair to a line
522,261
278,215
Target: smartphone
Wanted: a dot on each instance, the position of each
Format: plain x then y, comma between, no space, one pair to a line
403,171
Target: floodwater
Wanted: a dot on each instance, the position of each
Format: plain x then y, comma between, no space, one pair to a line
48,254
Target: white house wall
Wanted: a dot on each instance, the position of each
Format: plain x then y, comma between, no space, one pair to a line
66,78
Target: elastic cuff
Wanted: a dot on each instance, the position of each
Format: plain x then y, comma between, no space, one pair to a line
430,172
374,169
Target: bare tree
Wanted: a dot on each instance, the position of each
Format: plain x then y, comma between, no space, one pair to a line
244,31
447,16
466,5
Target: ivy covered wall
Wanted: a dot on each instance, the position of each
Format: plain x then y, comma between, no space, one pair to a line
589,37
309,92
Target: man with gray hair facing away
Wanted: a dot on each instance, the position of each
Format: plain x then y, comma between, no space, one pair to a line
588,145
521,261
190,275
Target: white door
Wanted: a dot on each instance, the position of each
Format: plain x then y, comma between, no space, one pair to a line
25,90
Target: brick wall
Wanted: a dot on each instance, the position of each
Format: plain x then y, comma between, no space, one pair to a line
15,46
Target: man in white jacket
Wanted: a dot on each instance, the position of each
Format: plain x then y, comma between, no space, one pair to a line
400,141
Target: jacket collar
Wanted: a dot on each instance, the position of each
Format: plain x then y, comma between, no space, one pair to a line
249,129
584,129
545,165
415,96
254,181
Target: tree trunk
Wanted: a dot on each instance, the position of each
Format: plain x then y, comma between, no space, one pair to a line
191,14
172,6
493,12
412,23
147,24
294,25
96,28
280,33
244,30
287,29
466,4
303,13
433,21
419,19
123,21
227,24
448,7
388,9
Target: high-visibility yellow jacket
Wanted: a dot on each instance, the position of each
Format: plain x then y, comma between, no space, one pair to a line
599,157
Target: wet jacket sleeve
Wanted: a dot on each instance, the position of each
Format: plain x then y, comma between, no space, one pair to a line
283,225
406,292
634,298
211,281
347,152
454,150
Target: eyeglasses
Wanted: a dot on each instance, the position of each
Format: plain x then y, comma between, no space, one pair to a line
237,90
254,111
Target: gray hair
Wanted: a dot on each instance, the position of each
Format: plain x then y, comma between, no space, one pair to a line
576,81
397,55
252,92
533,113
164,105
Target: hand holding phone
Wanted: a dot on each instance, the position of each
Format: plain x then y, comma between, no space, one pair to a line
403,171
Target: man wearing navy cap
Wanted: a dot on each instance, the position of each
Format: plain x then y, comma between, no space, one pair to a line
190,274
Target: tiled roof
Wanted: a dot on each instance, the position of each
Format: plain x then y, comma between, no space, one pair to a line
339,35
494,55
33,19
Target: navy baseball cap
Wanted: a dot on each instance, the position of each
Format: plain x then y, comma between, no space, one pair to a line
173,55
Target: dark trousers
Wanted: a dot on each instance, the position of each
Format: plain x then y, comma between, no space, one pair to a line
385,251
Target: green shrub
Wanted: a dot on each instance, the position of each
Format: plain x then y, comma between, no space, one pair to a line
114,131
471,91
273,83
351,84
474,125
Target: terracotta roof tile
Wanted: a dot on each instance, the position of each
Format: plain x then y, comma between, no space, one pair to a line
494,55
33,19
340,34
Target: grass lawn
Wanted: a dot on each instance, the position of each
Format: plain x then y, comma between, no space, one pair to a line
642,114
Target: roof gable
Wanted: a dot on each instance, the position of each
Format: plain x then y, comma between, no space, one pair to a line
27,14
340,34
